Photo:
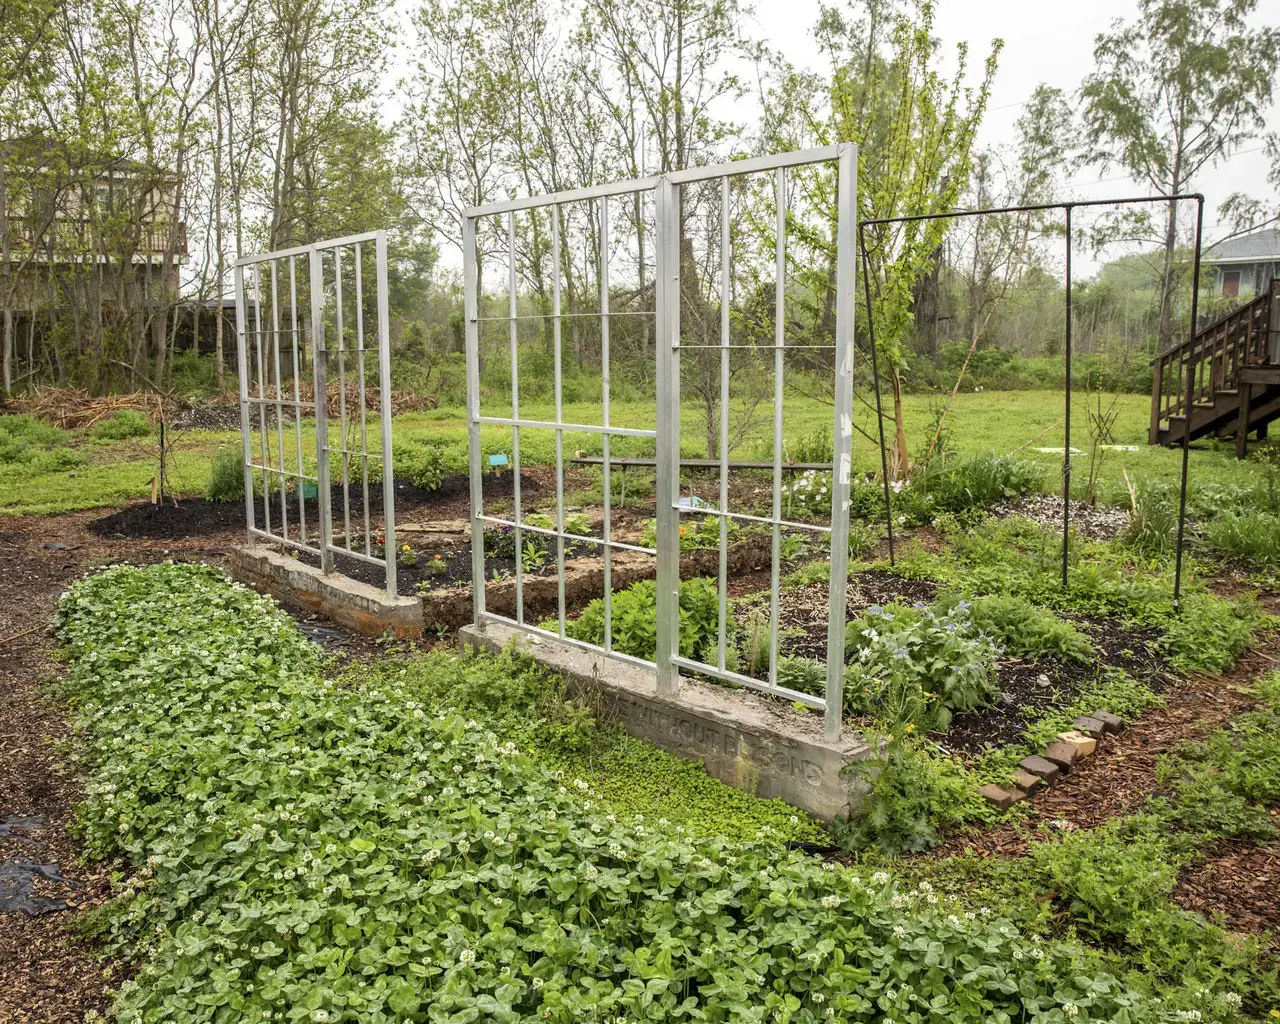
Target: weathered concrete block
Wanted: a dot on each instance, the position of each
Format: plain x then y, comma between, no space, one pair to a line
742,738
1026,782
303,587
1062,754
999,796
1046,771
1110,722
1093,726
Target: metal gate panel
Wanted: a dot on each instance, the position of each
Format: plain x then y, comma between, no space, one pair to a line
335,300
666,433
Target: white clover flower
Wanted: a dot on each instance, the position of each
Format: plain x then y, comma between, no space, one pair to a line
1232,999
899,932
831,902
612,819
590,872
466,958
1070,1011
794,820
463,846
952,919
581,785
704,863
880,878
828,865
819,998
457,769
496,900
538,983
1192,1015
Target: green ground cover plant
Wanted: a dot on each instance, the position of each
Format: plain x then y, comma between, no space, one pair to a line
121,426
634,619
226,475
304,849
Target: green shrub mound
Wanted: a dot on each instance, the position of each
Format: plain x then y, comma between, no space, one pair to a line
121,426
305,851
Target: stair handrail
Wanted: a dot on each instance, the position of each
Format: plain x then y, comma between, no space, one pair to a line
1216,346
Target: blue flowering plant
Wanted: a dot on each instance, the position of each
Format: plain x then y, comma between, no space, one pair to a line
910,665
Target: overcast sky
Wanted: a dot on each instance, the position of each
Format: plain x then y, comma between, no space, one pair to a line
1044,42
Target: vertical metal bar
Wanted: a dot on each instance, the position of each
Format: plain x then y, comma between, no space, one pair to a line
470,287
1186,434
1066,448
779,339
275,352
666,347
875,378
841,435
604,438
320,372
246,446
296,333
555,331
725,271
262,398
515,409
342,397
389,552
384,389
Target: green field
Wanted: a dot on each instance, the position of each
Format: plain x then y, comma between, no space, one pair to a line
999,421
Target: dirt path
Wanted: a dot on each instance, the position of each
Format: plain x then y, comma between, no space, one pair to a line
48,973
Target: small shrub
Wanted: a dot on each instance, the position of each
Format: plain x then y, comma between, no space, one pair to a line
957,485
24,440
696,532
914,666
1153,523
226,475
862,539
121,426
1245,535
420,463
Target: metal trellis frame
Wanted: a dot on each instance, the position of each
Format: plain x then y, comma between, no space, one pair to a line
331,273
666,191
1067,207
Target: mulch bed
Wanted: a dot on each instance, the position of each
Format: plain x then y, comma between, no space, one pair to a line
1238,886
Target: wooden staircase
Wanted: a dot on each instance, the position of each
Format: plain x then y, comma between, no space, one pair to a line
1231,369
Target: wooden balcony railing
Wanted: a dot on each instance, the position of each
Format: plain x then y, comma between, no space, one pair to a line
1213,359
72,238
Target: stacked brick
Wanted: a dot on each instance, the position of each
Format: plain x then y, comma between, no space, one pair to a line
1055,761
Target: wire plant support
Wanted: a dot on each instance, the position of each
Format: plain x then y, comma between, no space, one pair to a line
1067,208
322,315
497,221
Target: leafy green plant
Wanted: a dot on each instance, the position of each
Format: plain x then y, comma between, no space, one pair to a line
226,475
284,822
1025,629
1245,535
910,665
634,612
1153,522
863,539
121,426
534,556
419,462
696,532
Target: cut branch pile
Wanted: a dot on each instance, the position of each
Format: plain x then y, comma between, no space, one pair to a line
71,408
401,401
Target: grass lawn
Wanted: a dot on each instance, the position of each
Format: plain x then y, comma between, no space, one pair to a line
119,472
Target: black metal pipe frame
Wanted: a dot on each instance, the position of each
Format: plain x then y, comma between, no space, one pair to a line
1066,469
875,377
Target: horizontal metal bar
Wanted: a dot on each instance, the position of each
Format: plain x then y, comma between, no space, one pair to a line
1035,208
359,555
284,403
343,351
276,538
625,461
266,257
334,243
583,428
750,683
762,348
585,538
733,168
752,519
524,627
562,316
280,472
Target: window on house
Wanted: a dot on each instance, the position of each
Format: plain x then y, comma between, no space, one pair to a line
1231,283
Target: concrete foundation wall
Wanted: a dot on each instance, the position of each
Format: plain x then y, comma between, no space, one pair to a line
302,587
743,738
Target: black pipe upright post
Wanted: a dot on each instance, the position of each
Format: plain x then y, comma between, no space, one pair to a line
875,376
1186,433
1066,450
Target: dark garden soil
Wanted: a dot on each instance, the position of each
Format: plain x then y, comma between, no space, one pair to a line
1029,688
195,516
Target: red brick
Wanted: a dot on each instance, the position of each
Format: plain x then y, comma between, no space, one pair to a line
1110,722
1062,754
1038,766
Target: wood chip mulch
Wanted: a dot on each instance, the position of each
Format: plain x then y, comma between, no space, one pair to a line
1239,886
1119,777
